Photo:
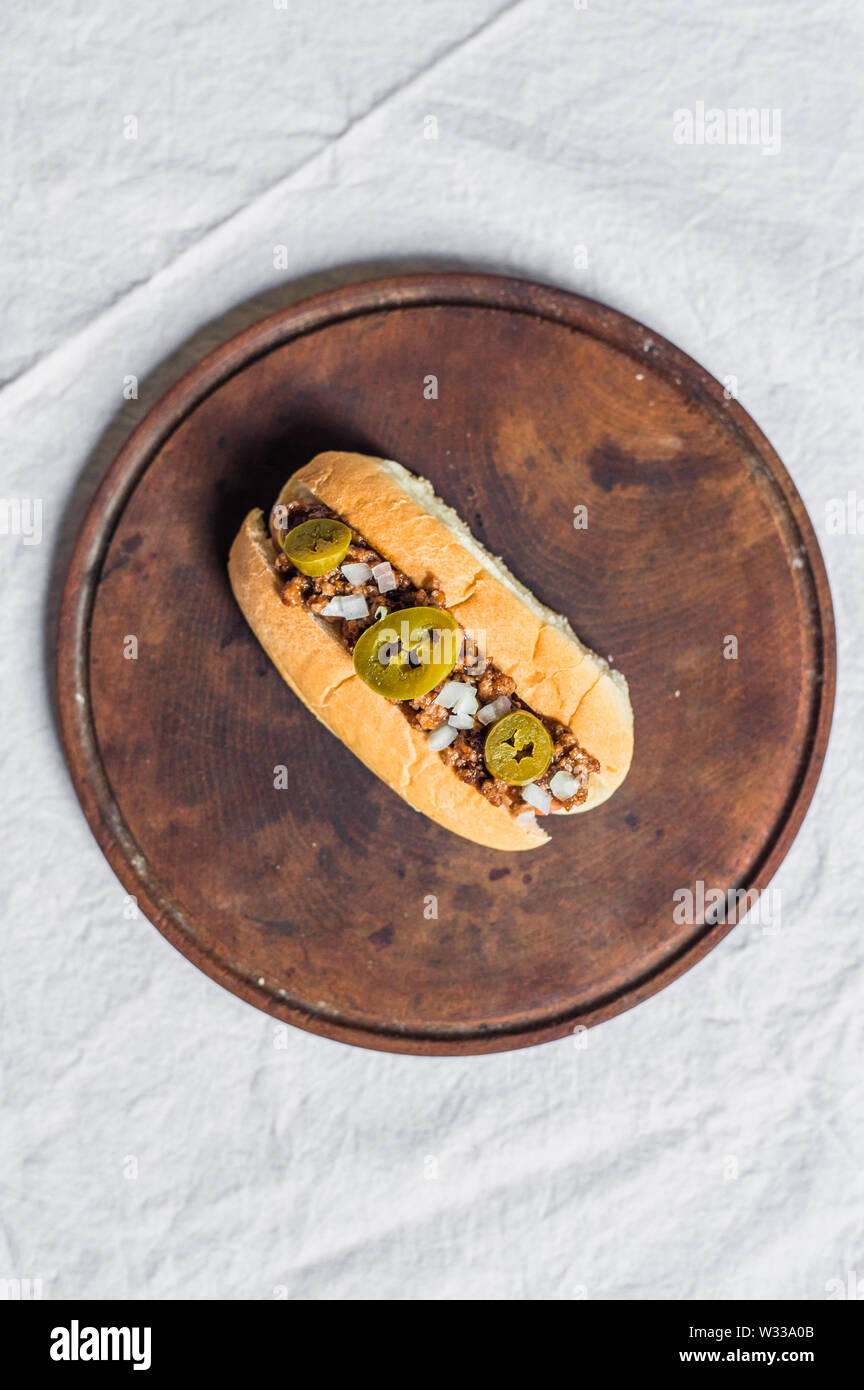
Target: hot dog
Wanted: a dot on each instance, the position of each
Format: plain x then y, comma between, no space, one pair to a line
474,702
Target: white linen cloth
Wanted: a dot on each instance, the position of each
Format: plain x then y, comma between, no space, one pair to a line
168,162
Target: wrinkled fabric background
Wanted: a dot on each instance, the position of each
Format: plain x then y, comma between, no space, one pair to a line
159,1137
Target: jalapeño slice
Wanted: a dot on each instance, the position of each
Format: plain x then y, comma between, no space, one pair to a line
518,749
407,653
317,546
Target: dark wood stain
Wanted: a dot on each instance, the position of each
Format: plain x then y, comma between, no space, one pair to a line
382,937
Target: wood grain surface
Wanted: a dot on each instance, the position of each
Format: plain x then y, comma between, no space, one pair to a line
313,902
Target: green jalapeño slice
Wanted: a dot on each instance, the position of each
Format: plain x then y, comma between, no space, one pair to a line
317,546
407,653
518,748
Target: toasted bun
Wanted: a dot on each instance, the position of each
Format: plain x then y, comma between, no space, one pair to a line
400,516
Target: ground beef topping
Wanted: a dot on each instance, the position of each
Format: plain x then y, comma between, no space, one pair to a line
465,753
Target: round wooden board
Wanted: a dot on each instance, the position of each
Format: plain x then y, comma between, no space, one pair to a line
316,903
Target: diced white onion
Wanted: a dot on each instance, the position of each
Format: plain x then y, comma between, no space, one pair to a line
537,797
467,703
380,612
441,737
346,606
564,785
357,573
333,608
452,692
461,721
528,819
384,577
496,710
354,606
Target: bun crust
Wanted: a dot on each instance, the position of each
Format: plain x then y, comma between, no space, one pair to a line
400,516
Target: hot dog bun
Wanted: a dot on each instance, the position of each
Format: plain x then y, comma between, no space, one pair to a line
401,517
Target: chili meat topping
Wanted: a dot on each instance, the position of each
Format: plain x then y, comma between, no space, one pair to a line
465,754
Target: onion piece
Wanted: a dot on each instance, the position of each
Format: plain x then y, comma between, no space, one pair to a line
527,819
346,606
537,797
491,713
384,577
441,737
356,573
564,785
452,692
467,703
461,721
354,607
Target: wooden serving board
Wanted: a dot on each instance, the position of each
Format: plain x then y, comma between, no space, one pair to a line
332,905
